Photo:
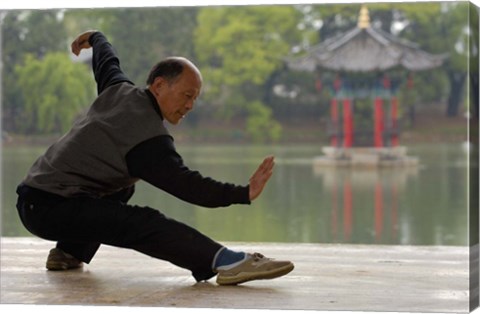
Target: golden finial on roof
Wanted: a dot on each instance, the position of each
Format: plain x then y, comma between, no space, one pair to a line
364,18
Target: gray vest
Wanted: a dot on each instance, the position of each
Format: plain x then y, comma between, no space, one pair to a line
90,159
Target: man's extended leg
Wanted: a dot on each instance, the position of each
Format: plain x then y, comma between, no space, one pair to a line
88,221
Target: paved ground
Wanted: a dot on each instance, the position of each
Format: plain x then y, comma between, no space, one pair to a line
326,277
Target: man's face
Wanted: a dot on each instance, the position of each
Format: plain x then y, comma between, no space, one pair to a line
177,99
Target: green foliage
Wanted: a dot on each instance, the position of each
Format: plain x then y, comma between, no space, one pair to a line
239,49
41,32
77,21
144,36
32,32
55,91
440,28
260,125
235,45
444,28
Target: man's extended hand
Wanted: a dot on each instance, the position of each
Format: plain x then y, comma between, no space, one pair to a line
81,42
260,177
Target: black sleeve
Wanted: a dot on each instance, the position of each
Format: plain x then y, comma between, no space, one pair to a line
105,63
157,162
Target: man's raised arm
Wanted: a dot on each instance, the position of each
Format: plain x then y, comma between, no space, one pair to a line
105,63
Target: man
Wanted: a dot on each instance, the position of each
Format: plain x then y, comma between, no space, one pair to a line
77,192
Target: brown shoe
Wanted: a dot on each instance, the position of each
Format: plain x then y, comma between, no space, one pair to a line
59,260
254,267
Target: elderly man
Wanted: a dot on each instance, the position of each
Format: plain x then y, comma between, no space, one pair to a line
77,192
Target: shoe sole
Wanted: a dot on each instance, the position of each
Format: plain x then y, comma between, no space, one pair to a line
244,277
60,266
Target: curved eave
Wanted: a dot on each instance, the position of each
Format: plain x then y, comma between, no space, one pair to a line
366,50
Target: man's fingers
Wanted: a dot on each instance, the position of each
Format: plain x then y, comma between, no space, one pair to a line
75,47
267,163
265,168
78,45
81,42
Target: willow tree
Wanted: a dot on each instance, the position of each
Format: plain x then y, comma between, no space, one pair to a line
35,32
55,91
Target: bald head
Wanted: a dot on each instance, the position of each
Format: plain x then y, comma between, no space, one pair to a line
171,68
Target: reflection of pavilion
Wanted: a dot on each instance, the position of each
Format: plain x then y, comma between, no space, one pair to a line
382,189
359,60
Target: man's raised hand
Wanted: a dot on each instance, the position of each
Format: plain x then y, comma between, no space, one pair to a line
260,177
81,42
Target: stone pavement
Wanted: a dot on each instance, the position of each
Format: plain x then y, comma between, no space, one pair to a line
327,277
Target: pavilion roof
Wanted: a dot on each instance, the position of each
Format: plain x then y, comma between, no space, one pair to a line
365,49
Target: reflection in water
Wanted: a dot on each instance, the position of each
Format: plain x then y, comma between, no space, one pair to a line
381,186
423,206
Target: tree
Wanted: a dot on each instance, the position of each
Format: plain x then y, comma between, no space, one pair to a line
144,36
260,125
33,32
443,28
238,48
141,36
55,90
77,21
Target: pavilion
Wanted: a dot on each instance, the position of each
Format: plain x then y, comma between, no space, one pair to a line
361,60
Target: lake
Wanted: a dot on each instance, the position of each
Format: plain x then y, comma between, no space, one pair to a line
426,205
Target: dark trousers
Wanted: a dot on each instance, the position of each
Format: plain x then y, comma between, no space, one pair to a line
81,225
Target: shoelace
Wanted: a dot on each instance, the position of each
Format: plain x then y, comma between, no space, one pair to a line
257,257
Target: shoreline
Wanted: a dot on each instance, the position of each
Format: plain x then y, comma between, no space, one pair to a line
430,127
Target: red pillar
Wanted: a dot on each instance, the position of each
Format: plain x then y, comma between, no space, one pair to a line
394,109
378,122
347,123
334,117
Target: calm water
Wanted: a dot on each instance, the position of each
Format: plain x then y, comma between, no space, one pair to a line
422,206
